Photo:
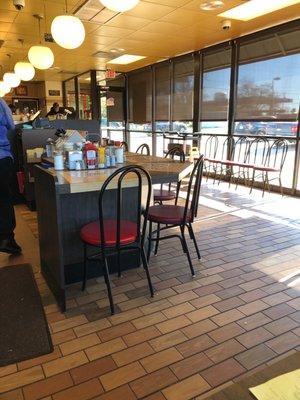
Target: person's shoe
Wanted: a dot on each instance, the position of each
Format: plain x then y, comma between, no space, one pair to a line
9,246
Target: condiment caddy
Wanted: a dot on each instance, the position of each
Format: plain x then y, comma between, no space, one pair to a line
90,157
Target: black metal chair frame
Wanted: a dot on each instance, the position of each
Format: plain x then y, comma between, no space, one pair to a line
275,161
257,152
174,151
210,152
191,206
222,166
239,156
142,147
106,251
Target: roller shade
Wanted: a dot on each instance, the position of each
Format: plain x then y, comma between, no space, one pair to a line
115,106
183,88
140,97
269,70
162,93
216,85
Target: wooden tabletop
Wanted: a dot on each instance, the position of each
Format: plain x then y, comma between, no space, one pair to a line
162,170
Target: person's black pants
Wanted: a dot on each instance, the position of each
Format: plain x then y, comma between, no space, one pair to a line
7,213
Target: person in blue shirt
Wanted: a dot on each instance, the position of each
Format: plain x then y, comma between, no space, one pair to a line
7,214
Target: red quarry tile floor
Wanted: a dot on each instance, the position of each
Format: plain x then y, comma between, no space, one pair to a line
238,313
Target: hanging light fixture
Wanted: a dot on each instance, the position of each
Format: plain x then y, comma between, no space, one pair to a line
4,88
23,69
119,5
41,57
10,78
68,31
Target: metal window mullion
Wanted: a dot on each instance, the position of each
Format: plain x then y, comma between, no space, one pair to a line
297,158
197,81
153,77
76,96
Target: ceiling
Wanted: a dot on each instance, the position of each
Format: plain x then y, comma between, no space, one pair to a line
156,29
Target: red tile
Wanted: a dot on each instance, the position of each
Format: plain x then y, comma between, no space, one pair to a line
223,372
284,343
226,332
255,356
224,350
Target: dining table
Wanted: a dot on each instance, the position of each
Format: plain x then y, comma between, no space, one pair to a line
68,199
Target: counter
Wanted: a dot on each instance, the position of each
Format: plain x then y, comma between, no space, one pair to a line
66,200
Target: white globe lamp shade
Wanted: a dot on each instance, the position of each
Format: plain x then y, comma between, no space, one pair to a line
41,57
119,5
68,31
24,70
2,94
4,88
11,79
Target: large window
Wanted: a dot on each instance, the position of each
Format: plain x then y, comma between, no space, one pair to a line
263,101
215,91
269,79
268,91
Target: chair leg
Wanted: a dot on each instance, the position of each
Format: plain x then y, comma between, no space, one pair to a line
192,235
177,192
157,239
119,263
186,250
149,241
146,268
265,183
280,184
268,182
107,281
252,181
84,279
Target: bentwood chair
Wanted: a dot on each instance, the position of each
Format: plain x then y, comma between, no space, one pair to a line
258,150
161,195
273,165
143,149
210,152
172,216
113,235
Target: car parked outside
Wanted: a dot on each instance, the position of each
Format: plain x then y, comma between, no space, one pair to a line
267,128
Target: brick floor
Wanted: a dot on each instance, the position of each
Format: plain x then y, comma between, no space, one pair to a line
239,313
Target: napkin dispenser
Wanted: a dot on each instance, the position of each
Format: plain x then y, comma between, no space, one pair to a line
72,157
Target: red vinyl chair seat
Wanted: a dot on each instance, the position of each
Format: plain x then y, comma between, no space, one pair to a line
163,195
167,214
265,169
90,233
238,164
212,160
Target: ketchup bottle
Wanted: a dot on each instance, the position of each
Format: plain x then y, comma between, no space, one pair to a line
90,154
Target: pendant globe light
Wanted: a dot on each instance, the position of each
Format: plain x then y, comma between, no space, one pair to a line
41,57
119,5
4,88
10,78
68,31
23,69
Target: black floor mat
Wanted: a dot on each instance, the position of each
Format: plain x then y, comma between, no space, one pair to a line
24,331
